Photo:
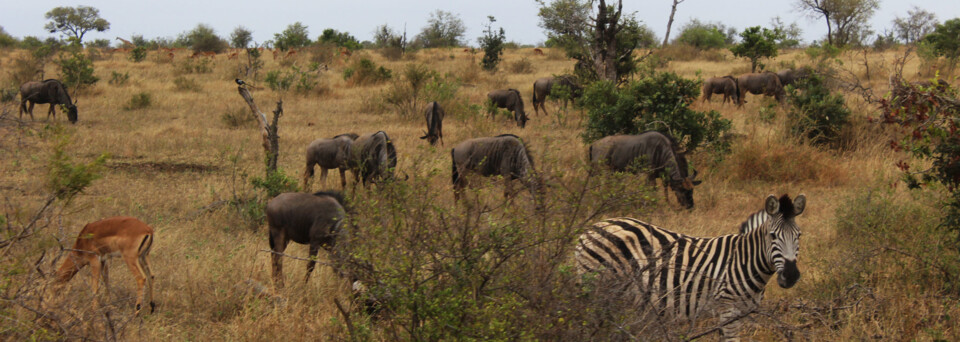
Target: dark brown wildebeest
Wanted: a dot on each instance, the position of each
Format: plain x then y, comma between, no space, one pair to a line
372,157
649,151
48,91
328,154
512,101
309,219
505,155
543,86
790,76
726,85
764,83
434,114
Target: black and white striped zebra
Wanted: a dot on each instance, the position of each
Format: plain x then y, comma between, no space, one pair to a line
686,277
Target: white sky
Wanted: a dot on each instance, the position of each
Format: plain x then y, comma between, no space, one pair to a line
168,18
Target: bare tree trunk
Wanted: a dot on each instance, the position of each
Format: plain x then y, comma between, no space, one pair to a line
829,28
673,11
268,132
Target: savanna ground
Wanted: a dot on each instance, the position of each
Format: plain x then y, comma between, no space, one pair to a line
173,158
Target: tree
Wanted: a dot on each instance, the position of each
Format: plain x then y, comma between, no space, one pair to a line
846,19
492,44
203,38
341,39
444,29
945,40
757,43
791,34
241,37
6,40
74,22
706,35
601,41
917,24
295,36
384,36
673,11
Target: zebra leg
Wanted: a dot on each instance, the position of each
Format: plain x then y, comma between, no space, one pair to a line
731,318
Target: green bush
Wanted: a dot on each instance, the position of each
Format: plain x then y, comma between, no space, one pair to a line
294,36
706,35
138,54
661,102
492,44
138,101
203,38
275,183
419,85
76,69
66,179
118,79
340,39
815,113
186,84
365,72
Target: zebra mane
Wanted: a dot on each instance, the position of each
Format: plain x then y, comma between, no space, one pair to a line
754,221
786,207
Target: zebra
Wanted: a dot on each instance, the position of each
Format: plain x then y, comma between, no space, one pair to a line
683,276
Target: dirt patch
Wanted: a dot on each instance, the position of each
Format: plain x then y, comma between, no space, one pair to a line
171,167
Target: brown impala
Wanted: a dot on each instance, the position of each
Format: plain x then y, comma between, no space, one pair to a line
124,236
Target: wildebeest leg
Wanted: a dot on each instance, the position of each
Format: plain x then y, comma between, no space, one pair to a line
507,187
52,112
307,175
323,177
278,243
30,111
459,186
343,179
314,248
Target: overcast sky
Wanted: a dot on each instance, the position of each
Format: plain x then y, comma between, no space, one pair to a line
168,18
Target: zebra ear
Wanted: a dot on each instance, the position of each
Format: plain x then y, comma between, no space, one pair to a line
772,206
799,203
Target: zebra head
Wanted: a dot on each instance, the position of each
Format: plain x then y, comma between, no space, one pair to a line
784,246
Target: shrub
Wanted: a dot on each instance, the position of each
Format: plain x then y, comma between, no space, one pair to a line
492,44
138,54
340,39
706,35
365,72
294,36
780,162
186,84
24,69
238,118
815,113
8,94
522,66
417,86
77,69
756,43
661,102
118,79
275,183
203,38
945,40
138,101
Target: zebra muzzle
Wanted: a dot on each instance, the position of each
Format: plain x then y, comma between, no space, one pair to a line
789,274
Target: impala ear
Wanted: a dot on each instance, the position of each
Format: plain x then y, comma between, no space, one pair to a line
772,205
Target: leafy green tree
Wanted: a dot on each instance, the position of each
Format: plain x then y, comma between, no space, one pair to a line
203,38
295,35
6,40
815,113
792,34
444,29
847,20
76,69
98,43
945,40
74,22
660,101
241,37
492,44
915,26
340,39
757,43
704,36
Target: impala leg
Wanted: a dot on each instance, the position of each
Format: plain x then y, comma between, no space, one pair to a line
145,266
133,262
103,274
95,282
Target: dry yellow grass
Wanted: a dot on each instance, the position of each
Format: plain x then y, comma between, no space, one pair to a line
201,262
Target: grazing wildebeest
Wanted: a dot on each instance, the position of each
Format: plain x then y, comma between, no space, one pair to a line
790,76
310,219
372,157
764,83
543,86
434,114
726,85
653,151
505,155
329,154
512,101
48,91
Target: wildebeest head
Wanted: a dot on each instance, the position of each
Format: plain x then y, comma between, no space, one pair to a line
684,188
72,112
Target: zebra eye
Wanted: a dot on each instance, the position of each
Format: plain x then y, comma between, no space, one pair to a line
773,236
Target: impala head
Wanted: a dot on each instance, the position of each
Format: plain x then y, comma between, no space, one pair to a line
784,236
71,265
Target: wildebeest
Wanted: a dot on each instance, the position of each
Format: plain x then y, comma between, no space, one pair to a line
653,151
512,101
328,154
543,86
765,83
505,155
790,76
48,91
726,85
310,219
434,114
372,157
